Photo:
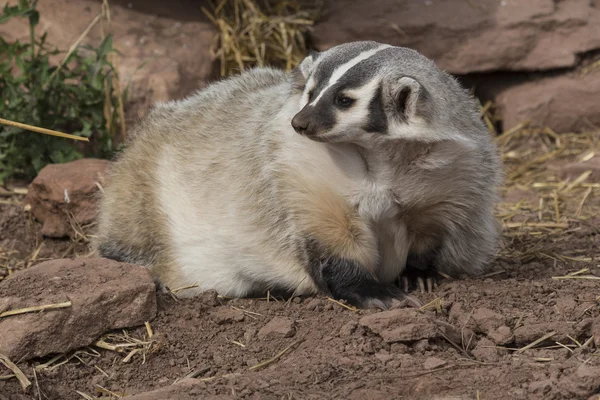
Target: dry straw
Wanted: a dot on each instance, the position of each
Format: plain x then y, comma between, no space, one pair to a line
265,33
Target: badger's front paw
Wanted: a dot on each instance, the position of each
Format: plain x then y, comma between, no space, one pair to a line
349,281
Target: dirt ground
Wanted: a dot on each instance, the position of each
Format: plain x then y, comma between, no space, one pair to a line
550,218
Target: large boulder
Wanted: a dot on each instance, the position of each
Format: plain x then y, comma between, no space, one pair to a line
104,295
64,196
564,103
164,46
471,36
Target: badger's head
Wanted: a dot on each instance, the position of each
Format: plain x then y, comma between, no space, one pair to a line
367,91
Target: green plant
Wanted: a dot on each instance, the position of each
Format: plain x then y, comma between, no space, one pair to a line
80,96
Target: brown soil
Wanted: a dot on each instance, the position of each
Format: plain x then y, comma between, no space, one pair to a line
216,340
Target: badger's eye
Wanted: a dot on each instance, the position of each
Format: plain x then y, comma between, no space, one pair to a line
344,101
310,94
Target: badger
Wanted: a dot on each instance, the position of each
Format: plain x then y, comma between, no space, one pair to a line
365,164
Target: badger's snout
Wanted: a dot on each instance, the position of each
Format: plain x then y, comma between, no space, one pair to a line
302,124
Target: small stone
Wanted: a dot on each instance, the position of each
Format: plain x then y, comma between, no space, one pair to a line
63,191
348,328
401,325
209,297
399,348
464,337
297,300
485,351
314,304
487,320
421,346
501,336
278,327
250,334
433,363
104,295
228,315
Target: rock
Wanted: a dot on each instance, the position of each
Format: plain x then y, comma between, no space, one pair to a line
227,315
464,338
596,331
187,389
459,317
278,327
164,50
585,381
485,351
105,295
401,325
563,103
465,37
64,191
501,336
541,387
530,332
572,170
433,363
209,298
314,305
487,320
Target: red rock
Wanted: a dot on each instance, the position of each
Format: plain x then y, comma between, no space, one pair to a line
64,191
401,325
562,103
227,315
465,37
164,48
487,320
278,327
105,295
501,336
433,363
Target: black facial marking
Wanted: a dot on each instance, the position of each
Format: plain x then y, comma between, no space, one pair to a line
377,118
348,280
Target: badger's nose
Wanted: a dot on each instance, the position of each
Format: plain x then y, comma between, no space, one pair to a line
300,123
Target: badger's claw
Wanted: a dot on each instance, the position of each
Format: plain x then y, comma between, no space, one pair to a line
423,280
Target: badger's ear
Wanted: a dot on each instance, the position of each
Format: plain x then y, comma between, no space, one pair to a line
411,99
307,64
303,70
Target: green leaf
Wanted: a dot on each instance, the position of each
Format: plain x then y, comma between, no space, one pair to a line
34,18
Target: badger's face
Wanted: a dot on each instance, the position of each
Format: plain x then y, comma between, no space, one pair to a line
358,92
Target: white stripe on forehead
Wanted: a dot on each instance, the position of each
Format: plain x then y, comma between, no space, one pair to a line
337,73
